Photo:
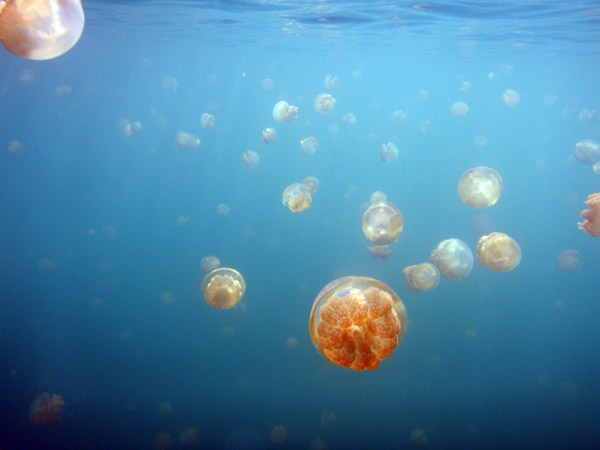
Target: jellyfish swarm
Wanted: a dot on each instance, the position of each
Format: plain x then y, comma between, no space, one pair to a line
422,277
40,29
498,252
297,197
356,322
591,225
46,409
453,258
223,288
382,223
480,187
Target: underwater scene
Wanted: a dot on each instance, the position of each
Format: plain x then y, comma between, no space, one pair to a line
315,224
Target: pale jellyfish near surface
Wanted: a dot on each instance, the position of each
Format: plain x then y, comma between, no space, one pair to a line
250,159
310,145
324,103
207,120
453,258
587,151
459,109
283,112
269,135
389,152
511,98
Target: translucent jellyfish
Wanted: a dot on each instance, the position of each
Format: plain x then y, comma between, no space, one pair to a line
465,86
169,84
189,437
324,103
399,116
297,197
587,151
278,434
480,141
309,145
453,258
356,322
591,225
223,209
269,135
357,75
377,197
136,127
207,120
182,220
62,90
389,152
166,298
267,84
480,187
250,158
15,146
570,261
379,251
423,95
418,435
165,408
187,140
223,288
162,441
313,183
587,115
595,167
422,277
459,109
45,409
498,252
491,75
282,112
331,82
425,126
27,77
291,343
511,98
349,119
328,419
40,29
382,223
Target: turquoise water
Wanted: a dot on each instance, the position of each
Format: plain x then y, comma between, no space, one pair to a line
90,240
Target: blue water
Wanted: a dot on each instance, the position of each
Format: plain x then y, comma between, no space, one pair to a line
89,238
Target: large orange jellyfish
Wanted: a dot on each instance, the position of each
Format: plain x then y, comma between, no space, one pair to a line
356,322
46,409
591,225
40,29
223,288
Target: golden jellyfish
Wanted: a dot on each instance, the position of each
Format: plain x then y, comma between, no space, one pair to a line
185,140
250,159
453,258
310,145
389,152
291,343
207,120
349,119
422,277
282,112
269,135
459,109
313,183
591,225
382,223
209,263
570,261
40,29
587,151
223,209
356,322
480,187
223,288
379,251
297,197
324,103
46,409
377,197
498,252
511,98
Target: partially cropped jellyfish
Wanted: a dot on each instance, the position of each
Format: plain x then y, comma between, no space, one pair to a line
40,29
389,152
596,167
511,98
223,288
207,120
382,223
209,263
498,252
283,112
587,151
269,135
324,103
310,145
377,197
356,322
422,277
349,119
570,261
459,109
591,225
480,187
312,182
297,197
453,258
250,159
379,251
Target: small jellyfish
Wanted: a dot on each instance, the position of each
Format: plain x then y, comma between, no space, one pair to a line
377,197
27,77
570,261
15,146
313,183
453,258
498,252
379,251
356,322
278,434
423,95
349,119
309,145
40,29
250,158
282,112
324,103
269,135
223,209
207,120
425,126
136,127
169,84
587,115
480,140
459,109
591,225
480,187
399,116
45,409
389,152
511,98
331,82
267,84
185,140
422,277
63,91
595,167
297,197
587,151
223,288
189,437
382,223
182,220
465,86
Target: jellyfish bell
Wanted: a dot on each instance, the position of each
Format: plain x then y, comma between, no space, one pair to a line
310,145
312,182
587,151
209,263
453,258
382,223
389,152
40,29
591,224
480,187
223,288
379,251
459,109
498,252
356,322
349,119
297,197
324,103
511,98
422,277
283,112
207,120
570,261
269,135
377,197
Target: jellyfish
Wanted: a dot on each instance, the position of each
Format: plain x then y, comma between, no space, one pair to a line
511,98
480,140
46,409
570,261
251,159
297,197
459,109
269,135
349,119
267,84
324,103
422,277
399,116
379,251
27,77
498,252
209,263
591,225
423,95
189,437
453,258
40,29
465,86
182,220
278,434
309,145
282,112
377,197
587,115
587,151
389,152
313,183
169,84
185,140
356,322
425,126
595,167
15,146
480,187
223,209
63,91
382,223
223,288
207,120
331,82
